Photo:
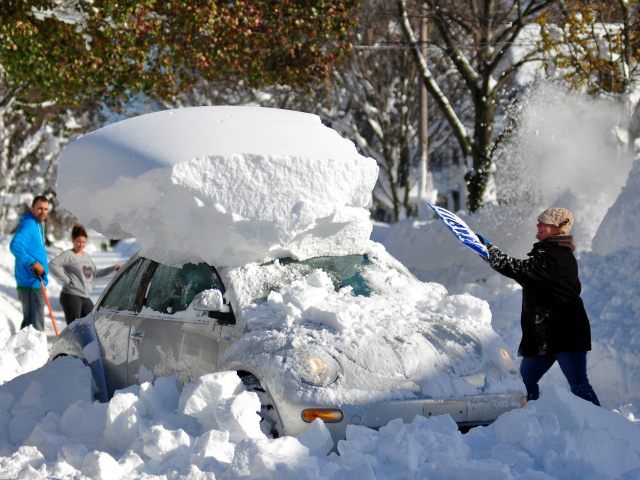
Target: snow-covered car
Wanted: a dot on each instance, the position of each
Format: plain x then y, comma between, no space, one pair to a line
351,339
317,319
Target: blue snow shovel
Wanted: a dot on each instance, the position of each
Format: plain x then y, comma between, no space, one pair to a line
461,231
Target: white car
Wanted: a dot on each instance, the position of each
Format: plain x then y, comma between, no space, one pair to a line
349,339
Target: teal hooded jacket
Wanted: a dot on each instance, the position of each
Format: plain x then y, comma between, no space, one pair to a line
28,247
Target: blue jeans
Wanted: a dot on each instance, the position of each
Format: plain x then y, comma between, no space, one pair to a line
32,301
572,364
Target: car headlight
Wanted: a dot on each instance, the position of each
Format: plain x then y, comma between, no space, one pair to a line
315,367
507,362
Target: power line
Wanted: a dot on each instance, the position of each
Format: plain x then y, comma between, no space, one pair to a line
451,18
408,46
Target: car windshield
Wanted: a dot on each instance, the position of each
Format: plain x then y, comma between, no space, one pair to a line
363,275
346,271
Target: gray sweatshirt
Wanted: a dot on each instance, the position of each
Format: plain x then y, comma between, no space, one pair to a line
76,273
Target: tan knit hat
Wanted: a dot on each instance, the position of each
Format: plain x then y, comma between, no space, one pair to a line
559,217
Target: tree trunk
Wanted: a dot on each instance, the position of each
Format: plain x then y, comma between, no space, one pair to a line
478,177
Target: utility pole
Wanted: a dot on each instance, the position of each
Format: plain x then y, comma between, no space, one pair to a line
424,123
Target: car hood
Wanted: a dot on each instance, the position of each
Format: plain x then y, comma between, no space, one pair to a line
405,338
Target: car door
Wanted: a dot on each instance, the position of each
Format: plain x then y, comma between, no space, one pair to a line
168,337
113,314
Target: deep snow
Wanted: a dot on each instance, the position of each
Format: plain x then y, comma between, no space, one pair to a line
50,429
254,183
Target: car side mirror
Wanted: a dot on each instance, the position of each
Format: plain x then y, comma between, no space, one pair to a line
209,301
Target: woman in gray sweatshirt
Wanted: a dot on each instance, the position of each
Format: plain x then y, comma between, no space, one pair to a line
76,270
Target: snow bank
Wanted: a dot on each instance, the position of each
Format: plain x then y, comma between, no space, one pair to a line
620,228
558,437
49,429
226,185
611,291
20,353
10,310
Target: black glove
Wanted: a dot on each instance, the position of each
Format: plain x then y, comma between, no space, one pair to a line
483,240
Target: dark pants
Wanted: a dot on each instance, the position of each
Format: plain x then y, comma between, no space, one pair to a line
32,302
572,364
75,306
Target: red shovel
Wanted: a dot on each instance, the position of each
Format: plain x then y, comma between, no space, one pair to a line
46,299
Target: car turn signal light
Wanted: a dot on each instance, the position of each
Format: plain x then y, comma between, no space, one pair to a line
328,415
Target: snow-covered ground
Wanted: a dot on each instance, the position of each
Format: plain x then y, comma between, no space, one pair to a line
49,428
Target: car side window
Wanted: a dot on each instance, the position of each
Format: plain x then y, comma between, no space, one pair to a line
172,289
124,293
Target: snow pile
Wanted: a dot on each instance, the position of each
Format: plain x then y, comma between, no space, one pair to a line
226,185
402,339
50,429
620,228
611,291
10,310
23,352
153,429
558,437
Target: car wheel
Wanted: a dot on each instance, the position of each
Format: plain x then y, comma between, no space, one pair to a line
270,423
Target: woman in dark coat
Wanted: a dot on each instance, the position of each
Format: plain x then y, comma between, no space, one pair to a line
555,326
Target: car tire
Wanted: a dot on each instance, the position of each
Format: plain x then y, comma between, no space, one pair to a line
270,423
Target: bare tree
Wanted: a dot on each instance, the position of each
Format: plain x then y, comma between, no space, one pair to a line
375,101
476,37
24,139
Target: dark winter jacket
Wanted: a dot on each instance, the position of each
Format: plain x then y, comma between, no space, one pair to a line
553,316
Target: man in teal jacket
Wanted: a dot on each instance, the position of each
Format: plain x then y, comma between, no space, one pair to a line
31,264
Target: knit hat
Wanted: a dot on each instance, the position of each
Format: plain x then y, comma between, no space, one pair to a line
559,217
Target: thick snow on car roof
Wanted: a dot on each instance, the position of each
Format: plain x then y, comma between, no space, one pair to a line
227,185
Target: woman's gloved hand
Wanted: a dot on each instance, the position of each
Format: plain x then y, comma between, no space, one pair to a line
483,240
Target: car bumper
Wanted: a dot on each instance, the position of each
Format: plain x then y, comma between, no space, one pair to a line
466,412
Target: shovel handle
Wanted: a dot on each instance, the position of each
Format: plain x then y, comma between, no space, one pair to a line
46,299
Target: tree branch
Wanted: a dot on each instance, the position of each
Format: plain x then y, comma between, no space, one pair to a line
455,54
509,35
438,95
504,76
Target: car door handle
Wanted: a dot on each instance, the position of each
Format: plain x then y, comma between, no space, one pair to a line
137,335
